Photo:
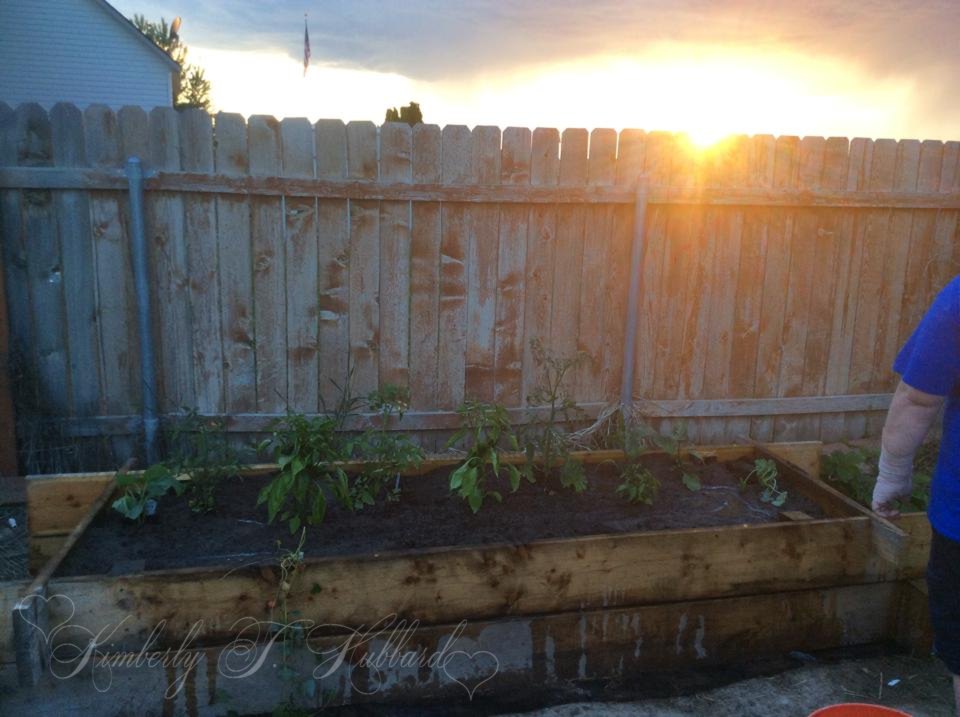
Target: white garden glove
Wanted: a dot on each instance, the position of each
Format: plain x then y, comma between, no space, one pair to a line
894,480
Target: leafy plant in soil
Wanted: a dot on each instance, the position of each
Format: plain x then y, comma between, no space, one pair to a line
544,438
387,453
638,484
766,472
854,473
487,425
673,444
310,453
203,452
141,491
637,438
307,452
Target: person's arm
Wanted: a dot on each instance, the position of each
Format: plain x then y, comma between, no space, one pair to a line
911,414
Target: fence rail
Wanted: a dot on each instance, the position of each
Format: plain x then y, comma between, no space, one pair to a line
778,279
101,180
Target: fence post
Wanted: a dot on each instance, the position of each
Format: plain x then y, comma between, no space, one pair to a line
633,297
148,373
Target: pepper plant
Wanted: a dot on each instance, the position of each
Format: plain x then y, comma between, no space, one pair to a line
307,452
638,484
311,453
488,426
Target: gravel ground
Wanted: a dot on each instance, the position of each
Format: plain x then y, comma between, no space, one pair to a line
918,686
13,542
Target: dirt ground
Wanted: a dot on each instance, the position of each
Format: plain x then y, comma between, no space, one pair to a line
917,686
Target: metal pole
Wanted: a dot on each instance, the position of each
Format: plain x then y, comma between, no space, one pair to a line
148,371
633,297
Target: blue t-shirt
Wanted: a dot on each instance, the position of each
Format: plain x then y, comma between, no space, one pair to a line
930,362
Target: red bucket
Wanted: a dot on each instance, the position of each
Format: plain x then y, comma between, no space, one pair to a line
857,709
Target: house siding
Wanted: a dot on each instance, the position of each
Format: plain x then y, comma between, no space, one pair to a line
73,51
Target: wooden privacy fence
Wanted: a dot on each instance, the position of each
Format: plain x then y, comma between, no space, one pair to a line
779,276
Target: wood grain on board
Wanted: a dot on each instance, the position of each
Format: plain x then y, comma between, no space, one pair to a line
799,290
425,240
396,154
483,251
168,257
333,265
235,258
541,248
596,264
269,267
776,274
301,261
515,168
203,286
456,168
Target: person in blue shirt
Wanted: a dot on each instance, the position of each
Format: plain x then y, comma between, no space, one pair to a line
929,368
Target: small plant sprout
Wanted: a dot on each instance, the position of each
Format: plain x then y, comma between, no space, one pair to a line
290,626
544,436
487,425
766,472
638,484
637,439
673,443
203,453
388,453
691,481
141,491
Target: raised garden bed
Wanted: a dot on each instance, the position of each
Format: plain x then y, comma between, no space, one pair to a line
237,533
605,590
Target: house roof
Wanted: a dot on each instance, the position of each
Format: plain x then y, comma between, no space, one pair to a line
130,27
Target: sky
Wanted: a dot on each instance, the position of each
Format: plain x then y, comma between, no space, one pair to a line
871,68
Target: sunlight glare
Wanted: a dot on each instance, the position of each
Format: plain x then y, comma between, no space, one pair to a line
707,92
705,137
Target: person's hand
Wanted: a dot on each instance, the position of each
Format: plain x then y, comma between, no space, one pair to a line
886,492
894,480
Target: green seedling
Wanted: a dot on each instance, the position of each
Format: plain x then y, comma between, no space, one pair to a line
638,484
141,491
203,453
487,426
766,472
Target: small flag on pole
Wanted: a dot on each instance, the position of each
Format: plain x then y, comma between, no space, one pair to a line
306,45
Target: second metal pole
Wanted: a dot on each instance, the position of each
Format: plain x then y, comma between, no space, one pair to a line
141,276
633,296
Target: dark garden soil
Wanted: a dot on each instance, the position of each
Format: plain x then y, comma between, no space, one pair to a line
426,516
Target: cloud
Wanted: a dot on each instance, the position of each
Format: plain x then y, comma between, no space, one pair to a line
442,39
453,43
